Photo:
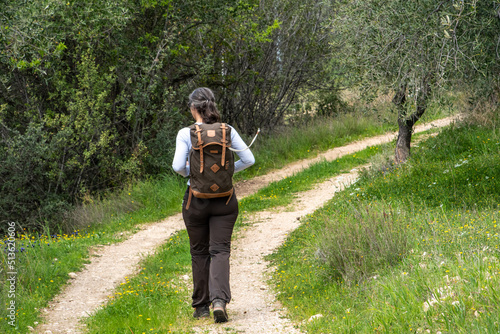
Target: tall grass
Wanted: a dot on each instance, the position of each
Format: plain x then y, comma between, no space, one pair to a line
356,250
320,134
150,199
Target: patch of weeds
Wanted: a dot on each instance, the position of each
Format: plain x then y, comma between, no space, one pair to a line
365,240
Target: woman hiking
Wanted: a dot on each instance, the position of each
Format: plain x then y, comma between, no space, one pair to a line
204,153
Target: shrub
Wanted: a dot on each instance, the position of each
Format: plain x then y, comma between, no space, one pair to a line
24,175
364,242
62,157
330,103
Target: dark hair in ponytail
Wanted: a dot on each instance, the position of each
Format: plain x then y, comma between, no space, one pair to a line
203,100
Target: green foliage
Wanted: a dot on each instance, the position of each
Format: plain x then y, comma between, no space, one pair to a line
404,43
24,173
416,49
330,104
98,89
60,157
118,84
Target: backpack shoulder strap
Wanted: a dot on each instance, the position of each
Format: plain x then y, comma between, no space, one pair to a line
200,145
224,142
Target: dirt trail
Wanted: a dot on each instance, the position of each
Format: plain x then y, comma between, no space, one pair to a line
111,264
254,308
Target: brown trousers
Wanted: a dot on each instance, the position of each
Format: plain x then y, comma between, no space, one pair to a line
209,223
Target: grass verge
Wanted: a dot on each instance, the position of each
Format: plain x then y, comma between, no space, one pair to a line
43,260
153,300
412,249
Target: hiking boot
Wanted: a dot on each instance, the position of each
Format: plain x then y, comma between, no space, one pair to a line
220,314
202,312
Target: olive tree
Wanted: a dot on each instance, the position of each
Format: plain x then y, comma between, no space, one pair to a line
416,47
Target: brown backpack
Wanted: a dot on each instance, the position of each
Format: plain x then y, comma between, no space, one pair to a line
211,162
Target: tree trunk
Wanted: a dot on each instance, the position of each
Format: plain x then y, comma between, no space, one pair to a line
404,136
403,142
406,121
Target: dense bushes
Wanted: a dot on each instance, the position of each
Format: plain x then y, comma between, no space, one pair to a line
92,94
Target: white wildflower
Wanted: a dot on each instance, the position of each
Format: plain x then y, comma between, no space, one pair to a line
316,316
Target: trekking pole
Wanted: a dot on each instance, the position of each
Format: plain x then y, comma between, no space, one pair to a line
232,149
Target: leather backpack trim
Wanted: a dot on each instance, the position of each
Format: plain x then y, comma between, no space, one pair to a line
205,195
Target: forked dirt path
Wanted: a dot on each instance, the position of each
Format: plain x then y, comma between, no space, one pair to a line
111,264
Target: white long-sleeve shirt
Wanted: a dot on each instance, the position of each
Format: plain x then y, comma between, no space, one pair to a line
183,146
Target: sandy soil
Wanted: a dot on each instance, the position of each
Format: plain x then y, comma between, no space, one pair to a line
253,309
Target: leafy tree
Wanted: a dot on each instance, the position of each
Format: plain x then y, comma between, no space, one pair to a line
416,47
92,93
289,58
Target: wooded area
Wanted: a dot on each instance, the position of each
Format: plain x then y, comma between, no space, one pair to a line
92,94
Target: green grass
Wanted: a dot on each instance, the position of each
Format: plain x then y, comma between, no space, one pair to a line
143,202
282,192
153,300
43,260
41,265
427,257
102,221
276,150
